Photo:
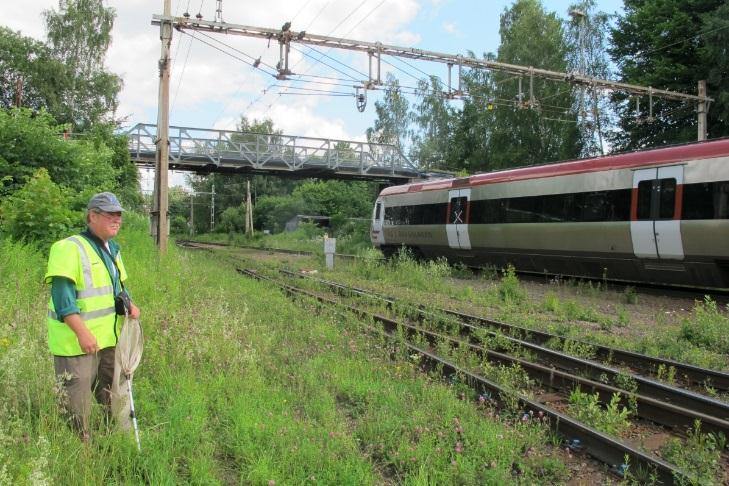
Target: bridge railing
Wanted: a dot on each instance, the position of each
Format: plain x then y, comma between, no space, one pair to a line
274,151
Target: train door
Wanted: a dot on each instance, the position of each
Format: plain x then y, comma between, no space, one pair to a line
457,222
378,215
655,225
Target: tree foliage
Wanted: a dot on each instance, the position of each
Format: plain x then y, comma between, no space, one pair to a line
434,119
392,122
525,131
499,125
79,35
671,44
30,74
39,212
97,162
586,35
339,200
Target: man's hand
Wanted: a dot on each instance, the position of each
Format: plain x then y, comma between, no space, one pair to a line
87,341
134,312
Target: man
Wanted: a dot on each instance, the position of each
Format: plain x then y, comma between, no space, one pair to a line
86,274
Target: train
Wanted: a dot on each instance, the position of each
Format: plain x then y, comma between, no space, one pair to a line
658,216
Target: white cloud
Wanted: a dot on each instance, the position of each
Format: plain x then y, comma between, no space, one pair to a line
215,87
451,28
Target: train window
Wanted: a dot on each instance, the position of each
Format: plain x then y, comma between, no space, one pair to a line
378,209
666,198
706,200
721,200
554,208
645,196
417,214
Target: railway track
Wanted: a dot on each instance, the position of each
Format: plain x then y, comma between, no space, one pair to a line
634,362
597,444
667,405
203,244
720,296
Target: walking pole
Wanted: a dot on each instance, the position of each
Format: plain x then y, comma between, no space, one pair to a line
132,414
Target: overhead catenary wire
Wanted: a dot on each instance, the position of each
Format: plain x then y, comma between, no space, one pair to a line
508,102
335,28
328,65
332,31
700,34
417,91
182,73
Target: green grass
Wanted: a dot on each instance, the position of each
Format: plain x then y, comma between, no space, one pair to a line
353,239
239,385
700,339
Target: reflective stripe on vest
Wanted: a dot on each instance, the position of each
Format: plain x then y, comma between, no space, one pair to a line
90,290
87,315
94,298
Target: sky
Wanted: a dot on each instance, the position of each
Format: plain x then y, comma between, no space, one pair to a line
210,89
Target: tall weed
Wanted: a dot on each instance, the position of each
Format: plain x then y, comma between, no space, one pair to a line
708,327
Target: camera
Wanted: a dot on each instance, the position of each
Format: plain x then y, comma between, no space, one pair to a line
122,303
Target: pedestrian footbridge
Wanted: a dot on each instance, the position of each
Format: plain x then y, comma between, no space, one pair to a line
203,150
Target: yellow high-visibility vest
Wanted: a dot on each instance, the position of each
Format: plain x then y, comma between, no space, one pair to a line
76,259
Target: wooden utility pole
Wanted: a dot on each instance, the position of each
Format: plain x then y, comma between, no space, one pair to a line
249,211
160,205
702,111
192,213
212,209
19,92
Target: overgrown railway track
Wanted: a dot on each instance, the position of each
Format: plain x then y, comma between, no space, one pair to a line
535,339
674,408
613,452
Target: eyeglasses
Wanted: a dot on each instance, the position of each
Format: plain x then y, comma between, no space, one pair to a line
116,215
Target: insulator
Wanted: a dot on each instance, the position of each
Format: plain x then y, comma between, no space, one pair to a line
361,99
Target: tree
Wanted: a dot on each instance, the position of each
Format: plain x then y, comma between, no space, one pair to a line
671,44
79,34
434,119
392,123
29,74
587,34
525,130
230,189
95,163
29,142
500,124
468,150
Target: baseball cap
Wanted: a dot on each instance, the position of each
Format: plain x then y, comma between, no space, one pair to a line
105,201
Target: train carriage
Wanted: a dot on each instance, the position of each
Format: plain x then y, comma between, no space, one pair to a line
657,216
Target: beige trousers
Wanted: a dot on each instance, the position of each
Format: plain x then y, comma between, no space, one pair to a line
79,376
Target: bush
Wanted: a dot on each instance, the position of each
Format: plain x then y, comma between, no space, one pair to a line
233,219
708,328
39,212
178,225
510,289
29,142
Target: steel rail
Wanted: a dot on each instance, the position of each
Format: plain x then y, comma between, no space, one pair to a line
597,444
192,243
649,407
635,361
646,386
